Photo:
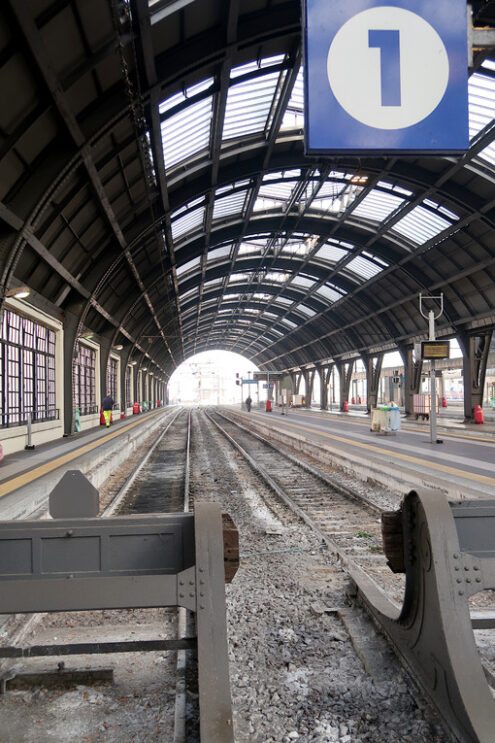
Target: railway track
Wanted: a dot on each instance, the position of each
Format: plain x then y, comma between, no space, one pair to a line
159,483
348,522
431,623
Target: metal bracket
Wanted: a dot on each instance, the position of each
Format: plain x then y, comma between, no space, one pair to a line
186,588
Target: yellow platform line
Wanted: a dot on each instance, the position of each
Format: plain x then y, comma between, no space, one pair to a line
415,429
20,480
397,455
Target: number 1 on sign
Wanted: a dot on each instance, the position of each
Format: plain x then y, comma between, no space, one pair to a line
388,41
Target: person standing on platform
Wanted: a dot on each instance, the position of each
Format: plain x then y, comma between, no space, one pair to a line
248,403
107,406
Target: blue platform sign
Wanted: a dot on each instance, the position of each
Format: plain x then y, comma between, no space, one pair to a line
386,77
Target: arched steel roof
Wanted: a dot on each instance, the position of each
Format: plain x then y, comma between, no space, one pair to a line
153,182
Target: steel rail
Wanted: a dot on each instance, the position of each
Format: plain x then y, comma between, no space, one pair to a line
468,726
183,625
332,546
117,499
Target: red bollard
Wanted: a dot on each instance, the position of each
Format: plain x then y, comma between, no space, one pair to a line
444,402
353,400
268,406
122,416
478,414
359,400
345,406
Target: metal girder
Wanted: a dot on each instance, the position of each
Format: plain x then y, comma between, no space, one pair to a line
449,555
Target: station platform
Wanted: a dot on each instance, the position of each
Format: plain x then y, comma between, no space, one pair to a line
463,465
27,477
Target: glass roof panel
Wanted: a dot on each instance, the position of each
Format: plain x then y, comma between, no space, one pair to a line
246,248
263,202
277,276
228,205
294,113
191,91
302,282
377,205
331,253
248,105
187,266
421,224
281,190
188,222
328,292
220,251
236,277
482,107
187,132
244,69
283,300
364,268
296,247
305,310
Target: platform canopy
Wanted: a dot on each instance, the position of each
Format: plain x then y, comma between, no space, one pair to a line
154,186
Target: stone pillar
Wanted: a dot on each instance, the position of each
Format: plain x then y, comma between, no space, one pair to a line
324,380
344,369
105,345
309,378
373,366
297,382
124,360
71,324
475,350
412,376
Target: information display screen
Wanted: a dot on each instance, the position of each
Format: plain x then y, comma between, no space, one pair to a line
435,350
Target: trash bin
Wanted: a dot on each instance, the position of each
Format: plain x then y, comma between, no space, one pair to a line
136,408
268,406
385,419
77,421
478,414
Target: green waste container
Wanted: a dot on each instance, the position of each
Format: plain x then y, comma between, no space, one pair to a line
77,421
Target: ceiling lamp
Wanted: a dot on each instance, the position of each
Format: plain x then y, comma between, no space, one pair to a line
20,292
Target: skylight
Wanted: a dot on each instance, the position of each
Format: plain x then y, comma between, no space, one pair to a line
187,266
187,132
248,105
377,205
482,108
302,282
328,292
421,225
188,222
306,310
364,268
281,190
253,66
294,114
228,205
331,253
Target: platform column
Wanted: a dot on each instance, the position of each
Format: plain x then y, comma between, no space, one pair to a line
71,324
124,361
324,374
105,346
297,382
345,369
412,376
475,350
309,378
373,366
